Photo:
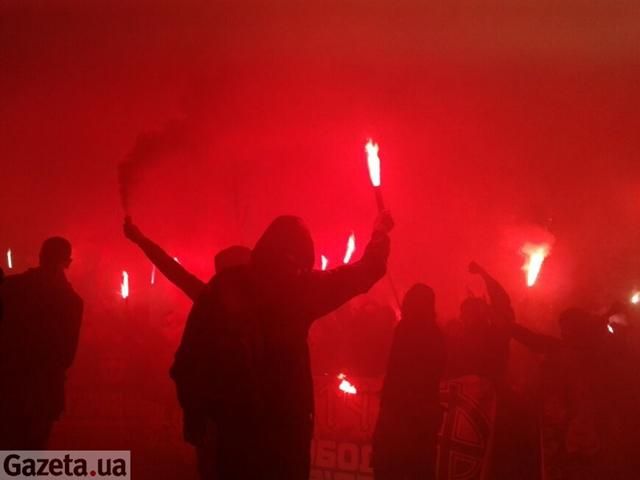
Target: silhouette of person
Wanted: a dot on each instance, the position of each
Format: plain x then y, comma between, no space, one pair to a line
482,343
38,341
191,285
244,358
588,397
405,438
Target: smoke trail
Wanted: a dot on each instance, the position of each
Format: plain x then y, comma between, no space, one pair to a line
147,152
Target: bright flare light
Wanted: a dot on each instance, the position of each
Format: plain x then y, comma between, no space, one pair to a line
610,328
351,247
535,257
346,386
9,259
324,261
635,298
373,162
124,286
153,275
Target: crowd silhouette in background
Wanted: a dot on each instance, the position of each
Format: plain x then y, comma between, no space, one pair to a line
243,373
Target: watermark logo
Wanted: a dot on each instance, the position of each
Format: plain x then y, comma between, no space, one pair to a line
65,465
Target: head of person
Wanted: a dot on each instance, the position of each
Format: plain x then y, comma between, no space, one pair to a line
579,327
419,304
55,254
231,257
284,251
475,314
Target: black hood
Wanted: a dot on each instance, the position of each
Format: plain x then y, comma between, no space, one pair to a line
286,244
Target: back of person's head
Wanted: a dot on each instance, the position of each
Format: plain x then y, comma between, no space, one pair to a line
474,313
55,253
234,256
419,303
285,247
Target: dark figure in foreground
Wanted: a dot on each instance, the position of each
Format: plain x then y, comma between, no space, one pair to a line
38,340
244,359
192,286
482,348
405,439
590,397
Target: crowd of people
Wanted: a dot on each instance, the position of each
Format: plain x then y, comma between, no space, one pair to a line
243,372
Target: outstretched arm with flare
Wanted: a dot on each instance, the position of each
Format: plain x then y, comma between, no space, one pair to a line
175,273
328,290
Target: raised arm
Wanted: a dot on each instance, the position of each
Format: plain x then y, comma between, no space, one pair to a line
498,296
328,290
176,273
538,342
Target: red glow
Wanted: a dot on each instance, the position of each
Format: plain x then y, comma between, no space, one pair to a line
373,162
346,386
351,247
535,255
124,286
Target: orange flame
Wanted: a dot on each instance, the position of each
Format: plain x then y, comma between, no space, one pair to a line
351,247
373,162
124,286
324,261
346,386
535,258
9,259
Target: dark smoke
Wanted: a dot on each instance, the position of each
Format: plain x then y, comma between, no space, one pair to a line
148,151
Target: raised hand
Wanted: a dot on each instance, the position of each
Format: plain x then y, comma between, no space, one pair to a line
384,222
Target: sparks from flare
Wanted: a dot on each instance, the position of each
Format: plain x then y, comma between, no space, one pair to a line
124,286
535,255
351,247
373,162
9,259
346,386
324,261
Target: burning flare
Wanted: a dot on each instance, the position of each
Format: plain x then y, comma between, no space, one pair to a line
9,259
373,162
124,286
351,247
635,298
324,261
345,385
535,257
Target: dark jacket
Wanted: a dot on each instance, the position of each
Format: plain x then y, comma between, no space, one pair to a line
38,340
244,351
410,411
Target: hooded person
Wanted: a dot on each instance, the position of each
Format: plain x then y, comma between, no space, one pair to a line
244,359
38,340
405,438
